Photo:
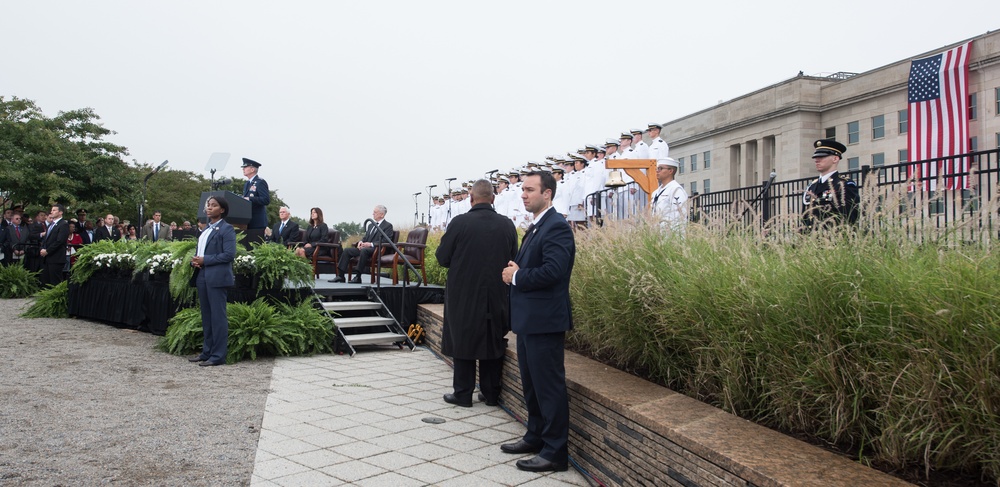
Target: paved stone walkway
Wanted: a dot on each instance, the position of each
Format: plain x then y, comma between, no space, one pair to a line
337,420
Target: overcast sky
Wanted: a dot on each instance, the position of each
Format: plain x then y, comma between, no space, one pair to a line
352,104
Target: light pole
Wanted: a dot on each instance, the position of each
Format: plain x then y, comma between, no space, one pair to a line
142,203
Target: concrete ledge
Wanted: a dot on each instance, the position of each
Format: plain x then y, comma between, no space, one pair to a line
628,431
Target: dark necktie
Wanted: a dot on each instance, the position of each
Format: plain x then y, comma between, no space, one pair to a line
527,234
156,231
17,230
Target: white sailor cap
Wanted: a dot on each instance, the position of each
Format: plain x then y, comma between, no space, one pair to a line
667,161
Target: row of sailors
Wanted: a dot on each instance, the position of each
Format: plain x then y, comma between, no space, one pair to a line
578,177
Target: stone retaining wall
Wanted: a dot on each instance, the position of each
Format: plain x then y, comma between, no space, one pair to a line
628,431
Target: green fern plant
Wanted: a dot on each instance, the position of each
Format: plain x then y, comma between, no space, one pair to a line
50,303
180,277
275,263
17,282
256,329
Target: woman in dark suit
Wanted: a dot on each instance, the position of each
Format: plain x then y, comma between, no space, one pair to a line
316,233
213,261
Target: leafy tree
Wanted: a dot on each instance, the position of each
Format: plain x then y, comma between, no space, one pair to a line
63,159
349,229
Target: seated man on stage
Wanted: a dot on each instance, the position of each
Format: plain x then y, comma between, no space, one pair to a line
365,248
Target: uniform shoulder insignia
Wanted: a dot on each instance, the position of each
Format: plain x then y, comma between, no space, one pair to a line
850,182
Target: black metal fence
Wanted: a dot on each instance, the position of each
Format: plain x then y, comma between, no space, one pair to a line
917,192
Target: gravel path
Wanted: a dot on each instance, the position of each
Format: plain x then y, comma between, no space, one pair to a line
84,403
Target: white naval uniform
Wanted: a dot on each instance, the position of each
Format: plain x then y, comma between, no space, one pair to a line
658,149
561,201
670,205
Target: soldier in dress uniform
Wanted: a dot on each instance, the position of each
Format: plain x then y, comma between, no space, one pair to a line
658,149
831,197
638,145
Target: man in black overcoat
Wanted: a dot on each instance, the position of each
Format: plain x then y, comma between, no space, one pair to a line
475,249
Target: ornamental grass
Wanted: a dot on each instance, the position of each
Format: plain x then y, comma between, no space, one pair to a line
883,339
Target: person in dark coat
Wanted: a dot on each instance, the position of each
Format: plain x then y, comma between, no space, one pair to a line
832,198
540,316
53,247
255,191
213,262
316,233
475,249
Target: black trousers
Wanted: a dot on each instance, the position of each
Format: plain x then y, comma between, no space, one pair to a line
52,273
464,380
543,379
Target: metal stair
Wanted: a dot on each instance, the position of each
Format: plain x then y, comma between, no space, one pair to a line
363,319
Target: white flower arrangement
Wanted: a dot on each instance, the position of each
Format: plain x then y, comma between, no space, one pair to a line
114,261
161,263
244,264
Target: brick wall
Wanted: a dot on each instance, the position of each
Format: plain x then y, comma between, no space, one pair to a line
628,431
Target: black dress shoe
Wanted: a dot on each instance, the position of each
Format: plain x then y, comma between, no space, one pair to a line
539,464
356,279
210,364
336,279
453,399
520,446
199,358
489,402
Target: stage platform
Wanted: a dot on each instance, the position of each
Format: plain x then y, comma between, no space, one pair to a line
325,288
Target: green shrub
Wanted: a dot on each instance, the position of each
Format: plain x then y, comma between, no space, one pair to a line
275,263
884,340
17,282
180,277
50,303
258,328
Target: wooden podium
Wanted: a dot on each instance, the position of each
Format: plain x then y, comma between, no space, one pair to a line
633,167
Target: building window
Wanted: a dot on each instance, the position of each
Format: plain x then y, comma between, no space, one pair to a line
706,186
707,158
680,162
904,119
853,132
694,187
831,133
694,162
973,144
852,164
972,106
998,140
878,159
904,155
996,96
878,127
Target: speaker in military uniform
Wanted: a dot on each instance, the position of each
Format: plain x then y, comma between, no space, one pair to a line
832,197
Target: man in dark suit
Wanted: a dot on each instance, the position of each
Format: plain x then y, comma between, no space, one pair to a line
81,226
15,240
33,260
477,245
156,230
365,248
256,192
53,249
540,315
285,231
108,230
213,261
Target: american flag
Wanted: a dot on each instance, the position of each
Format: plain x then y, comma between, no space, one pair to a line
938,122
